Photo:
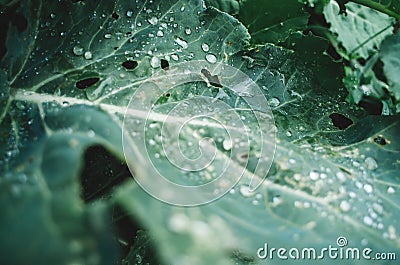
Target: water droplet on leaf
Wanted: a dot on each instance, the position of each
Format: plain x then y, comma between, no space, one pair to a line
175,57
227,144
368,188
274,102
391,190
181,42
314,175
245,191
88,55
371,163
155,62
345,206
205,47
153,20
211,58
77,50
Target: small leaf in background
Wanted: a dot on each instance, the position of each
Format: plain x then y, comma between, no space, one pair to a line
360,31
267,21
389,52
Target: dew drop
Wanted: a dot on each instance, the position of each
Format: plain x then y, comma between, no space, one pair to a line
129,13
107,36
341,176
227,144
175,57
52,15
205,47
211,58
77,50
314,175
155,62
88,55
274,102
153,20
91,133
368,220
371,163
178,223
188,31
245,191
20,105
345,206
378,208
181,42
368,188
160,33
391,190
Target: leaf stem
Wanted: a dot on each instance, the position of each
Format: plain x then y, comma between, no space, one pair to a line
377,6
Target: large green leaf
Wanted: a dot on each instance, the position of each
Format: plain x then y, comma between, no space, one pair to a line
67,89
77,62
324,183
40,192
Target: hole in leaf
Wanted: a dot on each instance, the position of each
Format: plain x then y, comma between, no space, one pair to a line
116,48
168,94
340,121
101,173
371,105
378,70
85,83
164,64
115,15
129,65
380,140
212,79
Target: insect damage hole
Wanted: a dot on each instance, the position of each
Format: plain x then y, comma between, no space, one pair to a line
114,15
213,80
340,121
129,64
381,140
88,82
164,64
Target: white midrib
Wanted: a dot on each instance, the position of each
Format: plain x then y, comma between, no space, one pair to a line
39,99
